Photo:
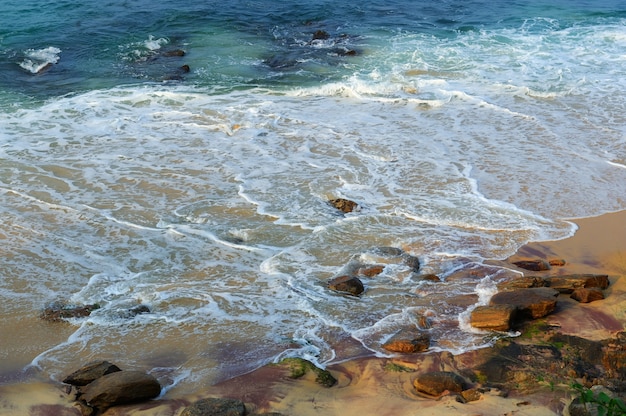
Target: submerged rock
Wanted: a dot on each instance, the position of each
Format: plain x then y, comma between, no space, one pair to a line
407,342
300,367
344,205
59,311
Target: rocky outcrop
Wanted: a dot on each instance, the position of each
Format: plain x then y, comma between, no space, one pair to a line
569,283
215,407
533,265
493,318
299,367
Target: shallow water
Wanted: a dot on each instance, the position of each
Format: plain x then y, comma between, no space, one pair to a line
461,133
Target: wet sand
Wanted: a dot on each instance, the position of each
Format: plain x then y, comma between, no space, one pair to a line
371,386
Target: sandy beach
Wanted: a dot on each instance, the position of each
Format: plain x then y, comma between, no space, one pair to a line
384,386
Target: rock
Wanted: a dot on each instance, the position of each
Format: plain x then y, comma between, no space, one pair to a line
568,283
439,382
299,367
614,357
471,395
534,265
407,342
348,284
429,277
584,295
370,270
59,311
493,318
173,52
138,310
529,303
344,205
523,282
215,407
321,35
556,262
390,252
121,387
90,372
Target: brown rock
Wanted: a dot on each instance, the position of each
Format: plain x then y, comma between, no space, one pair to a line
439,382
523,282
471,395
568,283
370,270
494,318
556,262
407,342
614,358
532,303
534,265
59,311
429,277
215,407
344,205
584,295
90,372
348,284
120,387
174,52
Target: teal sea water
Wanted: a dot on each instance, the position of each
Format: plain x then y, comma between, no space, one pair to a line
180,154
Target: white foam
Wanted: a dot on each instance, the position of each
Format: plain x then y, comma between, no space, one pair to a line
37,59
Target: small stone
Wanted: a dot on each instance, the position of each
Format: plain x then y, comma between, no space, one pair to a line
344,205
556,262
407,343
471,395
370,270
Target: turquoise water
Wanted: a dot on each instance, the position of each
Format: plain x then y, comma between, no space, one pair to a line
462,129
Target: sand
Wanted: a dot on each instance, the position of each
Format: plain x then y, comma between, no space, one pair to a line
367,386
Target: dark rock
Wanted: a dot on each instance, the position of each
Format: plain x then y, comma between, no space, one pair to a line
215,407
439,382
568,283
534,265
321,35
344,205
347,284
174,52
584,295
185,68
390,252
530,303
121,387
90,372
139,309
493,318
408,342
59,311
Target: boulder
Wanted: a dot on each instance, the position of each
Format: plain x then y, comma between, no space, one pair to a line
529,303
121,387
348,284
493,318
407,342
584,295
215,407
568,283
439,382
90,372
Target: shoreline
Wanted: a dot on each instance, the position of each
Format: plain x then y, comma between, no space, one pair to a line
368,385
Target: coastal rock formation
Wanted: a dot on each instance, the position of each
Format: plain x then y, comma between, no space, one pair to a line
493,318
568,283
215,407
347,284
437,383
534,265
407,342
90,372
120,387
392,253
584,295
